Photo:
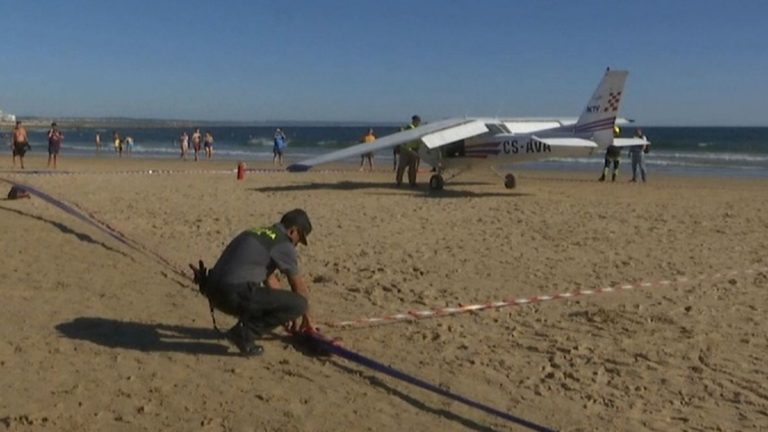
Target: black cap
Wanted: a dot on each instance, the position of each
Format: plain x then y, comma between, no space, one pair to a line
298,218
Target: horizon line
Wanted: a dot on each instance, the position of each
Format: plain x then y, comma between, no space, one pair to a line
112,119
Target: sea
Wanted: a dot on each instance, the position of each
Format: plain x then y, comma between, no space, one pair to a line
708,151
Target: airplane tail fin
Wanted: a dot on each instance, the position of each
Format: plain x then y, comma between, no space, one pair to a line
598,118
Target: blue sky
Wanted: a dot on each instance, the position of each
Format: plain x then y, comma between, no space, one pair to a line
691,62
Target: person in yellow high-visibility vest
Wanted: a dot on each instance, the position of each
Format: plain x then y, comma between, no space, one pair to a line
409,156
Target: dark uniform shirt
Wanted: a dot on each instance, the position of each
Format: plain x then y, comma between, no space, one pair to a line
255,254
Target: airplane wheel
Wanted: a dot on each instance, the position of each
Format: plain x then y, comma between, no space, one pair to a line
509,181
436,182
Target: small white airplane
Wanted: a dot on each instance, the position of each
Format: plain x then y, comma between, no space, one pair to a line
463,143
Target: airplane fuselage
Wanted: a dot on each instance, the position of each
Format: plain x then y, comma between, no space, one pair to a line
495,149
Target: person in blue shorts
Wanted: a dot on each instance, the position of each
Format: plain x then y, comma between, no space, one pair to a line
278,147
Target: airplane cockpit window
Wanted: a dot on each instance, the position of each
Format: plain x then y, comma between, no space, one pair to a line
454,149
497,128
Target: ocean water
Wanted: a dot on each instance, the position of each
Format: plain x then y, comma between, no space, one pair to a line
709,151
716,151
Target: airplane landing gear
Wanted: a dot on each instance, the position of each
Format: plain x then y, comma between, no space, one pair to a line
436,182
510,181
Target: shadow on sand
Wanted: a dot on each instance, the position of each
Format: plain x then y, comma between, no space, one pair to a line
378,383
387,188
65,229
145,337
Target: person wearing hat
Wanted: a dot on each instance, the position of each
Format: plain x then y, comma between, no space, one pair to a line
244,284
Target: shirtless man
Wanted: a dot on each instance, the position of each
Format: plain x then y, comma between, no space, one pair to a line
208,144
19,144
197,140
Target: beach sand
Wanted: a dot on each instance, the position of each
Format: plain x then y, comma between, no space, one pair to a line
96,336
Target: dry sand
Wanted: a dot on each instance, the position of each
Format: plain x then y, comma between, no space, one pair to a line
96,337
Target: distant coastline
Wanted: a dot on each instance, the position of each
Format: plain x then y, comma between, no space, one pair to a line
124,122
141,123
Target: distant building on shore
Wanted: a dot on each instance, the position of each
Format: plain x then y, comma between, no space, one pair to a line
5,117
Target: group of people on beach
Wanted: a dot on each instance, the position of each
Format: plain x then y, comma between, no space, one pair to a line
20,144
636,156
120,144
405,156
198,142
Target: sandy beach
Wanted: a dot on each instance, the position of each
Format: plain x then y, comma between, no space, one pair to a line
97,336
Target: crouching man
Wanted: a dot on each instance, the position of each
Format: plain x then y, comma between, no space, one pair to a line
243,282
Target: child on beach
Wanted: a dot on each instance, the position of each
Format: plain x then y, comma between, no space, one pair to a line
184,144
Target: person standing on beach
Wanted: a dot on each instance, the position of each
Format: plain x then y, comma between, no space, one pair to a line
118,143
184,144
208,144
612,157
637,155
243,282
409,156
55,137
19,144
197,140
396,153
369,137
129,144
98,142
278,146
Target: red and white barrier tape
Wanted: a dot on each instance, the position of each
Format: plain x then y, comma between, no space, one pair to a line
182,171
446,311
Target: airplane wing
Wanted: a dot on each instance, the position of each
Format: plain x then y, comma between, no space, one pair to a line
525,125
432,134
628,142
567,142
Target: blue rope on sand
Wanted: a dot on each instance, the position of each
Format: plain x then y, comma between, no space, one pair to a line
321,341
67,209
331,347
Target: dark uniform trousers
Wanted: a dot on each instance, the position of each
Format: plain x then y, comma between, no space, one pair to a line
408,159
259,308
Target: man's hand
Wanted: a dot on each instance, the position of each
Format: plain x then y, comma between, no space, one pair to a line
306,325
294,327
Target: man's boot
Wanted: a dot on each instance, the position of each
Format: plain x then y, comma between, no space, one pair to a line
239,337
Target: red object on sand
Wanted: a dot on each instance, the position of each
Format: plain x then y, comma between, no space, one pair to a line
240,170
